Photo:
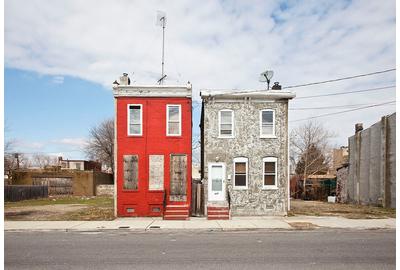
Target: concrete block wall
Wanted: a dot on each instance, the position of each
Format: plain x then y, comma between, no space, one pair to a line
372,165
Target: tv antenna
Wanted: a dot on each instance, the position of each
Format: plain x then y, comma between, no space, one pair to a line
161,21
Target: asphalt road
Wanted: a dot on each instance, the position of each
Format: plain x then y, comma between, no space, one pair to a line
320,249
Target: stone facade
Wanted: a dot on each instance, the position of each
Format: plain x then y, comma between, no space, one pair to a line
255,199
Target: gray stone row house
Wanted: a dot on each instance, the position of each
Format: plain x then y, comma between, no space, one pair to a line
244,152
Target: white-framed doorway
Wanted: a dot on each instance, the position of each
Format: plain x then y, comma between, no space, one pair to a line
216,181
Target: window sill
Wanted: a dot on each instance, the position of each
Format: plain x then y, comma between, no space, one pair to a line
269,187
226,137
268,137
174,135
240,188
135,136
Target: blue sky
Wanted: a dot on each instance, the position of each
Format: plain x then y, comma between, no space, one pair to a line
52,115
62,56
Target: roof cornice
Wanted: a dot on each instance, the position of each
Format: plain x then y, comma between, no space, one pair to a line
254,94
152,91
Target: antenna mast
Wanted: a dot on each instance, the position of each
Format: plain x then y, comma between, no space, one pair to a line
161,21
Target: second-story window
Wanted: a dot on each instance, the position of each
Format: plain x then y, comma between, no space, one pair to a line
135,119
174,120
267,123
226,125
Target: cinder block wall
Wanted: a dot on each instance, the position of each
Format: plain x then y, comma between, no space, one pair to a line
83,182
372,164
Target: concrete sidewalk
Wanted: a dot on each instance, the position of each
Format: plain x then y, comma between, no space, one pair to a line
236,223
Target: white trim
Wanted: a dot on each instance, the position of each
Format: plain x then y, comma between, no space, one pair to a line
180,119
237,160
209,184
273,124
129,120
270,159
232,121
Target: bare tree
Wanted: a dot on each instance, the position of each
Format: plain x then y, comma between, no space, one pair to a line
310,151
100,145
41,160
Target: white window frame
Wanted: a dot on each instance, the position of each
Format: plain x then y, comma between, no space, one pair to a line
270,159
180,119
241,160
219,124
129,120
273,124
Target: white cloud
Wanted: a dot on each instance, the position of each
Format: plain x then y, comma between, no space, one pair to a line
79,142
214,44
58,79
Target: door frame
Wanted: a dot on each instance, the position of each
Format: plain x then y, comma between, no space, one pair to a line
209,184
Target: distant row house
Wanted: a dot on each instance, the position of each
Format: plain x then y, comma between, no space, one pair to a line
244,151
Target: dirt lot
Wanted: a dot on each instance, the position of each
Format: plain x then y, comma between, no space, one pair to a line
61,208
317,208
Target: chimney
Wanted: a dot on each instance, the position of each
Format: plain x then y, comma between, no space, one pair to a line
359,127
124,79
276,86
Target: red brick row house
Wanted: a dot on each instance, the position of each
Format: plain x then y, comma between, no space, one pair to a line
153,150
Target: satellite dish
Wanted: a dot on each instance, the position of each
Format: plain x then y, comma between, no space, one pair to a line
266,76
161,18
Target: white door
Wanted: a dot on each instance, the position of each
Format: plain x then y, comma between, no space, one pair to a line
216,183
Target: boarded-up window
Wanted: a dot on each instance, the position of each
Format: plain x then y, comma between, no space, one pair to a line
173,120
178,177
156,172
135,120
269,171
240,172
131,172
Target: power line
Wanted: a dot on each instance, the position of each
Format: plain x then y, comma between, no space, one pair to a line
340,79
348,92
327,114
330,107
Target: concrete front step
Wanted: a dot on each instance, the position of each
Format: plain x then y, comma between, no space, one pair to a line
177,212
217,208
215,212
176,217
218,217
218,212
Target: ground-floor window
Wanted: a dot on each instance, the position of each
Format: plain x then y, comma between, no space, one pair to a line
269,172
131,172
240,172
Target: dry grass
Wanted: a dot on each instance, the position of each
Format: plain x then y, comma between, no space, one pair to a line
61,208
317,208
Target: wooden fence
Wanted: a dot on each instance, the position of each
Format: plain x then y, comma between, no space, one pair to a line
15,193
